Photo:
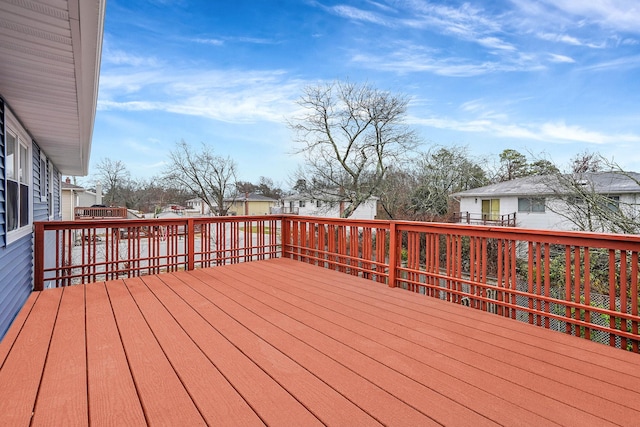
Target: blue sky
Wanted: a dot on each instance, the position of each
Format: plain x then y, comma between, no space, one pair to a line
540,76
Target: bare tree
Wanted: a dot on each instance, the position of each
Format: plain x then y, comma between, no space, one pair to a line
114,177
204,174
584,198
349,135
441,172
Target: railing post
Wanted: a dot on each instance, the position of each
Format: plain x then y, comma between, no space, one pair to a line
191,243
285,236
38,257
393,254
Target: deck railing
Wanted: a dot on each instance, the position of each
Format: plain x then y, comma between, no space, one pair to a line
93,213
584,284
506,220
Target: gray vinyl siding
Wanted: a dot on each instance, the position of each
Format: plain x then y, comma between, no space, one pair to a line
2,177
16,259
16,264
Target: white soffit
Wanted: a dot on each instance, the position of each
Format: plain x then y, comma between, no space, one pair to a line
49,68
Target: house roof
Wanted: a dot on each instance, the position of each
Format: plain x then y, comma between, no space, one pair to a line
306,196
252,197
49,73
600,182
69,186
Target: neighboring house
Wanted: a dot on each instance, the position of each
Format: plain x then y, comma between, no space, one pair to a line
252,204
49,66
74,196
303,204
538,201
246,204
197,206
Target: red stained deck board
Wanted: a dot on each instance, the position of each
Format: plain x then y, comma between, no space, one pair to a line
16,326
474,322
62,399
559,343
113,399
324,402
22,370
559,384
341,349
282,342
455,381
274,404
164,398
215,398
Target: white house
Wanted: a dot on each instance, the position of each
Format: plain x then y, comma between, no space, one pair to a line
537,201
74,196
303,204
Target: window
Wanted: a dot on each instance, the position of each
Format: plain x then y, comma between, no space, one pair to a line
531,204
18,181
302,203
612,203
318,203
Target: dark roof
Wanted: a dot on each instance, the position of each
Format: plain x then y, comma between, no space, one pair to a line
601,182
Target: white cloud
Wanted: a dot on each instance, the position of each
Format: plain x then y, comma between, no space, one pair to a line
561,58
214,42
562,131
226,95
560,38
619,15
558,132
356,14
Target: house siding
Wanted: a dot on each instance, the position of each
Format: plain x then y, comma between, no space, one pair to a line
16,258
2,179
16,264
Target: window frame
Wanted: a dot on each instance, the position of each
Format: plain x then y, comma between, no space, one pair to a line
533,202
50,190
13,127
44,182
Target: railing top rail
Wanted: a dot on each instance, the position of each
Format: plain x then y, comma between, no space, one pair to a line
614,241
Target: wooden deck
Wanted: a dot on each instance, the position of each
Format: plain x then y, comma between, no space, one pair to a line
280,342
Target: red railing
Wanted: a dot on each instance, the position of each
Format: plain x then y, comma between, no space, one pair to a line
93,213
74,252
584,284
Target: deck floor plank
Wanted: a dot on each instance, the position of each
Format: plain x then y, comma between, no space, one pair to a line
399,353
62,398
551,348
328,405
163,396
282,342
541,377
273,403
343,347
113,398
12,334
360,391
22,370
217,400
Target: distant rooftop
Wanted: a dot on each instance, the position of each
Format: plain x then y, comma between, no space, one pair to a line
602,182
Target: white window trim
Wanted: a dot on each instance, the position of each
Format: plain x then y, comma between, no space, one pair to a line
50,187
13,126
44,189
